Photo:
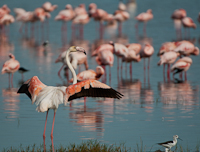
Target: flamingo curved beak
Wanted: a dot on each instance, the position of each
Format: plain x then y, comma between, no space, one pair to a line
80,49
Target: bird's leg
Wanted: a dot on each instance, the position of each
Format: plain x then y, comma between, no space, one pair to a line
148,63
22,77
12,80
45,125
120,28
53,125
52,145
185,76
73,31
144,27
130,69
84,101
60,70
144,71
110,75
126,68
65,33
9,79
168,71
21,27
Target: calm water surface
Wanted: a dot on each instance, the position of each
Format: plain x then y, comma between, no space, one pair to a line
153,108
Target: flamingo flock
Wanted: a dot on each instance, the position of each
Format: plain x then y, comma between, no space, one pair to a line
85,84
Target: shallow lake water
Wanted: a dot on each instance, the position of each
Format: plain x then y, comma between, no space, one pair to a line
153,108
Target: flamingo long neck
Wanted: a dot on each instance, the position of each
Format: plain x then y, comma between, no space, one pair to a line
71,68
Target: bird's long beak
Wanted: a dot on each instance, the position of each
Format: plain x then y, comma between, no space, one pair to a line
80,49
180,138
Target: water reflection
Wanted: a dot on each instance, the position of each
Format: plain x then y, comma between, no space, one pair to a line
178,93
89,119
11,103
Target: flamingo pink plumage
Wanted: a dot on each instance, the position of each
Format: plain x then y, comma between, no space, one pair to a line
168,58
98,15
90,74
144,17
177,16
166,47
121,16
188,23
102,47
10,66
183,64
186,48
48,7
49,97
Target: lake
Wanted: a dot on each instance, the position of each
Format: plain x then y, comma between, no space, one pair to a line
153,108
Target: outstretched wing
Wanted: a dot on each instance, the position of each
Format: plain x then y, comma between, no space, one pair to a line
91,88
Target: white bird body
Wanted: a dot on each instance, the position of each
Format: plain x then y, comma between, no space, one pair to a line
170,144
186,48
168,58
120,50
183,64
49,98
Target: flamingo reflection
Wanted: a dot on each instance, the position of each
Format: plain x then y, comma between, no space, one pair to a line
11,102
88,119
179,93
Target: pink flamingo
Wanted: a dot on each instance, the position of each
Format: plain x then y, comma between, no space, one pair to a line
134,46
188,23
121,16
4,10
130,57
168,58
98,15
144,17
177,15
81,20
186,48
166,47
80,9
10,66
90,74
105,57
25,17
65,15
120,50
48,7
147,52
102,47
183,64
75,58
49,97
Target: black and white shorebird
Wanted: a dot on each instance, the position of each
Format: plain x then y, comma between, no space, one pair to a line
170,144
22,70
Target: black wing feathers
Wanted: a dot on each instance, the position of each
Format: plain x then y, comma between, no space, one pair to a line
96,92
24,89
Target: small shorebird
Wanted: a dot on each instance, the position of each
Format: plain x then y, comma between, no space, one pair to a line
170,144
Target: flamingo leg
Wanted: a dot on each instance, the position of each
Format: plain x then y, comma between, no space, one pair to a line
168,71
185,76
53,125
45,126
84,101
12,80
52,145
60,70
